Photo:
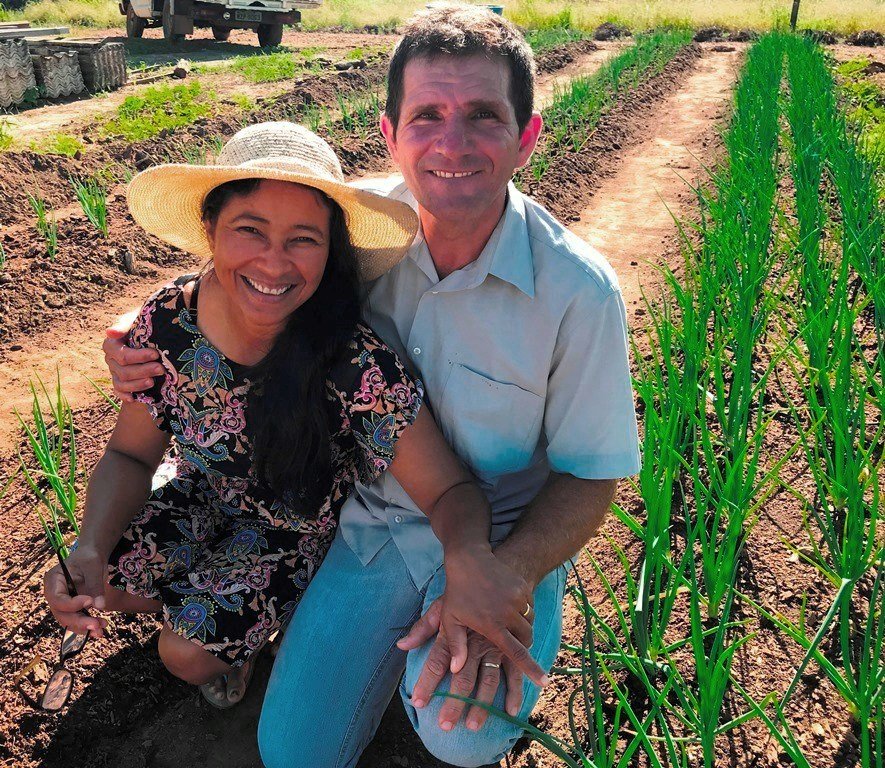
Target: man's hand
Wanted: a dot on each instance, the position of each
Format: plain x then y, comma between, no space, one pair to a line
485,595
479,678
88,570
132,370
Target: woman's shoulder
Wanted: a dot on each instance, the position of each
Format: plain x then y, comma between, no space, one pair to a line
365,339
368,356
173,294
161,310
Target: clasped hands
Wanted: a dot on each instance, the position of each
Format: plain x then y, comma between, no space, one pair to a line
483,627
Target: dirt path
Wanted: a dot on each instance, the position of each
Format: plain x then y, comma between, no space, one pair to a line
630,215
76,356
586,64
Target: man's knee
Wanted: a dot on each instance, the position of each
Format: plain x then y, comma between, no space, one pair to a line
462,747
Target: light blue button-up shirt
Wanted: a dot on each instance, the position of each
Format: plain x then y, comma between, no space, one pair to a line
523,355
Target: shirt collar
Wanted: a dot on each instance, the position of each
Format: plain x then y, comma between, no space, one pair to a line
512,258
507,255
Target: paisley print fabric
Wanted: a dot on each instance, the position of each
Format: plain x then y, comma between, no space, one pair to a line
228,559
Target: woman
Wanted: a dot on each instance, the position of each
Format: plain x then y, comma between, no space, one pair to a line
274,402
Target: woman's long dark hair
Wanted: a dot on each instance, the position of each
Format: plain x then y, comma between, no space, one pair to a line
288,410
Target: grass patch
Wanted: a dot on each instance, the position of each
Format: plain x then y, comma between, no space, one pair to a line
58,144
367,52
6,138
160,108
268,67
551,37
244,102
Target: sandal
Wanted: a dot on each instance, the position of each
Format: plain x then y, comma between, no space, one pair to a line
217,695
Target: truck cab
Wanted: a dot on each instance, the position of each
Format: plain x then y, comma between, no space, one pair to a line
179,17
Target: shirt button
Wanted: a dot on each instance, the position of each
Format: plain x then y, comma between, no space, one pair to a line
398,519
417,350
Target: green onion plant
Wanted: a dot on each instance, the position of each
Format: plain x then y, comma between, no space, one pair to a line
47,226
92,197
49,463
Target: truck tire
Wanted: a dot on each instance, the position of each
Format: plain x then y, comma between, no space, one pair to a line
168,34
220,33
134,24
270,35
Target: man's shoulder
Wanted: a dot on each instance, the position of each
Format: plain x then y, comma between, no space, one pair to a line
391,186
565,258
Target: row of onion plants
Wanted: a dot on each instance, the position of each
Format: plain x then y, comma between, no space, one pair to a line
837,360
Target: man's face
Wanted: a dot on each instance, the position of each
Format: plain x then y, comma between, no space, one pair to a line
457,143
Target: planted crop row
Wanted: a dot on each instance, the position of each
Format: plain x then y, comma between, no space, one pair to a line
839,364
716,349
577,108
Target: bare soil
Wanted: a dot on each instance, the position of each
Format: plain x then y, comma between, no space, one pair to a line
126,711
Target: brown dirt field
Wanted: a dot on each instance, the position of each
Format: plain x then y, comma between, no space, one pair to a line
126,711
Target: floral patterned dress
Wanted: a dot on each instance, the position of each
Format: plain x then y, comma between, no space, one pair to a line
227,558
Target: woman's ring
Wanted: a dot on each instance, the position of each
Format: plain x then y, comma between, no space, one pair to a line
525,613
491,664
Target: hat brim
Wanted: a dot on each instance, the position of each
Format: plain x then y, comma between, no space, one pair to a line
167,200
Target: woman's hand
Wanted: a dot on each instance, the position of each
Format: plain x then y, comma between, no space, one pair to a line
132,370
88,569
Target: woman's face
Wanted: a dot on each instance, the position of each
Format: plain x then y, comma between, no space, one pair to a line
270,249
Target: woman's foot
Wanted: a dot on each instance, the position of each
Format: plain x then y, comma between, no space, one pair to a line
228,689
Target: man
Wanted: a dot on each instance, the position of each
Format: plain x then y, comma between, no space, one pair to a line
518,331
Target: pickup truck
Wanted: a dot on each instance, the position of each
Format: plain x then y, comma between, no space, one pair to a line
179,17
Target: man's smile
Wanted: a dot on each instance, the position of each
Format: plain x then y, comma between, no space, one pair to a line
453,174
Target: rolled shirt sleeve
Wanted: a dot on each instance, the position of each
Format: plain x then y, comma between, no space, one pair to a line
590,418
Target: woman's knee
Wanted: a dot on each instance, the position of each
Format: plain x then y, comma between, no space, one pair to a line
187,661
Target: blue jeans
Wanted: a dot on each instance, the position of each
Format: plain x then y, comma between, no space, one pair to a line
338,667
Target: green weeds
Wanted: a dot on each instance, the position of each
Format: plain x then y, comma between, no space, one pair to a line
6,138
551,37
59,144
268,67
160,108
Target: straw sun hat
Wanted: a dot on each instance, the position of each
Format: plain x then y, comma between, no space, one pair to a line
167,200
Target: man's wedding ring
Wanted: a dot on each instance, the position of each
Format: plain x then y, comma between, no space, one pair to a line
491,664
525,613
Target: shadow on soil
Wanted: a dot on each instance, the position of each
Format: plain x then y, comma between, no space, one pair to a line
134,714
151,51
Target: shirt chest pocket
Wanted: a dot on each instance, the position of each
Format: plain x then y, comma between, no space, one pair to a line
491,425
